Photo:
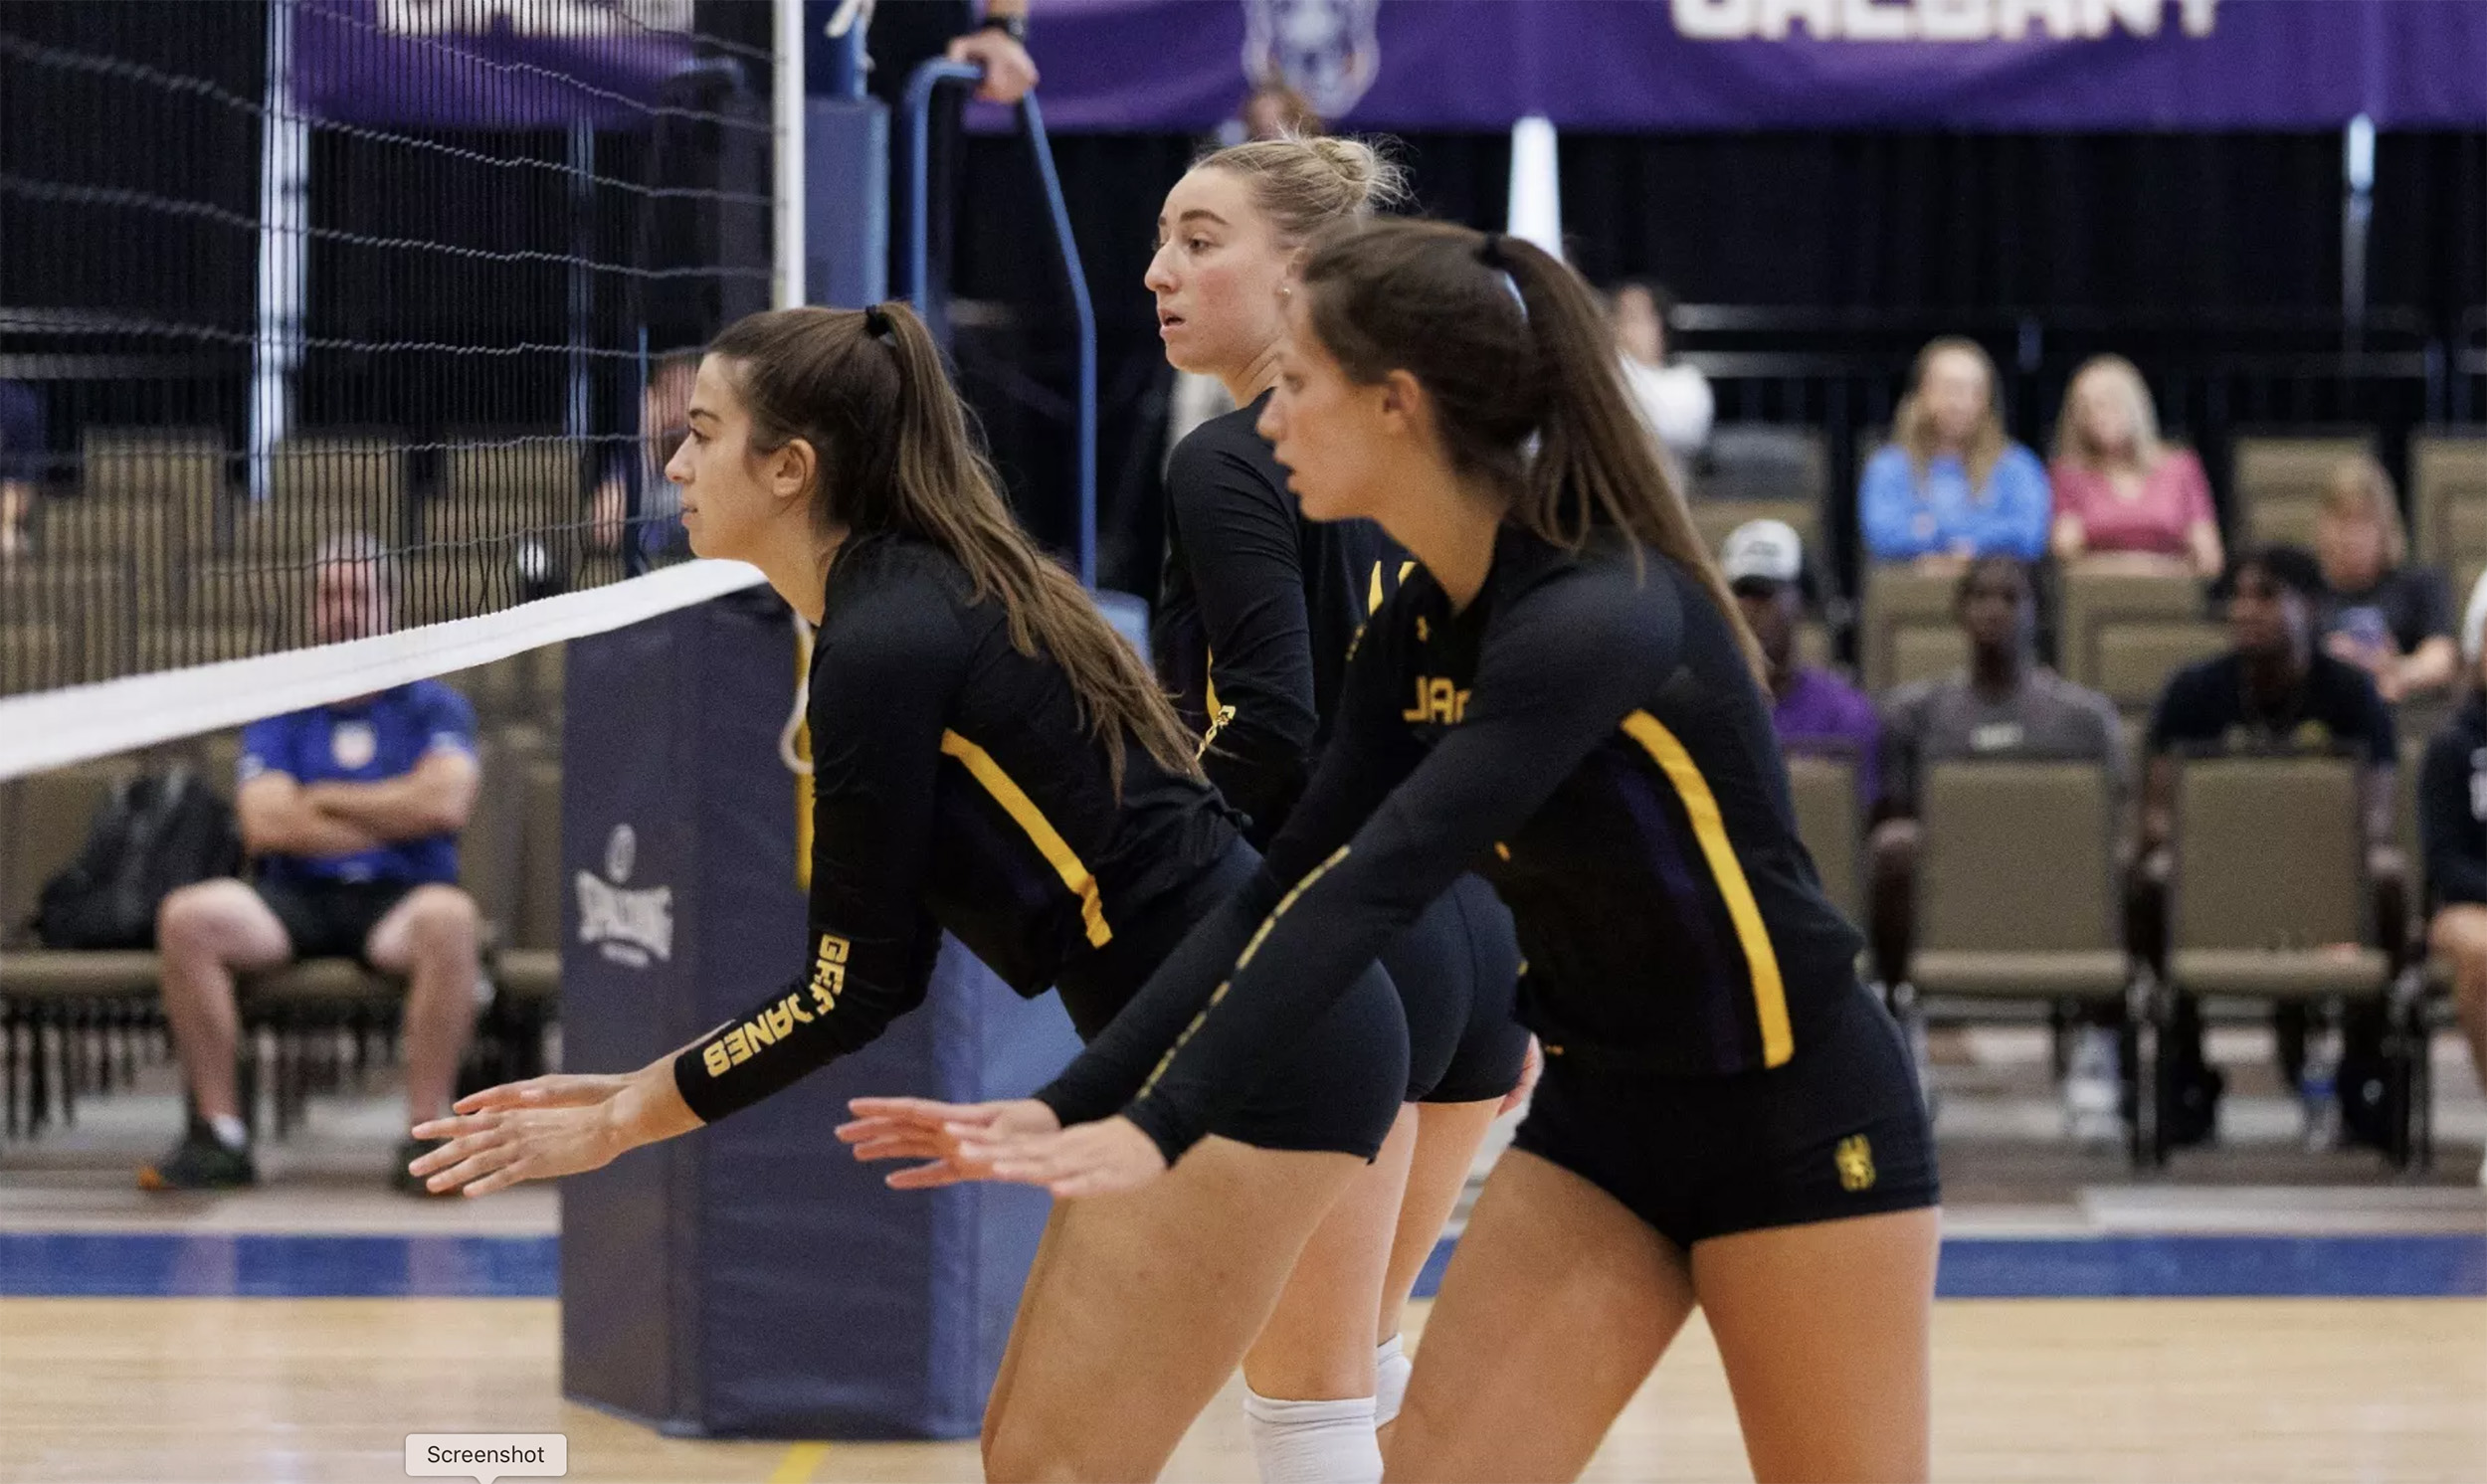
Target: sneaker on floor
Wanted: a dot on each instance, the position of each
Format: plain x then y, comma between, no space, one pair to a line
408,1152
200,1161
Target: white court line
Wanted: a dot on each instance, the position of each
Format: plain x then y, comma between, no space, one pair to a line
53,728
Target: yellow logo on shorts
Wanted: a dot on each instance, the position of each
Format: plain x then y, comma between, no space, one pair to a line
1856,1159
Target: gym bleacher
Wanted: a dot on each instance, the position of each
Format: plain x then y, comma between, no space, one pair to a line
2002,925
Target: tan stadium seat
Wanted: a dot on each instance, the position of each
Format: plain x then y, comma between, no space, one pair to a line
177,466
2448,498
2278,480
2094,600
2270,899
501,489
322,486
1830,821
34,654
1898,599
531,968
173,646
44,819
2136,658
1998,917
488,849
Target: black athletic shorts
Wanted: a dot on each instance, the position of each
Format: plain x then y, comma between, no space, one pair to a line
1342,1082
1839,1131
331,919
1457,971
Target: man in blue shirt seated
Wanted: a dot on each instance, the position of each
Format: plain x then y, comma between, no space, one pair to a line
350,813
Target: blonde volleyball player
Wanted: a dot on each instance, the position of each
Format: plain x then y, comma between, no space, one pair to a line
1565,694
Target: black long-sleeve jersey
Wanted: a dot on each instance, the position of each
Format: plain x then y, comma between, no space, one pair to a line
1255,609
1588,736
955,785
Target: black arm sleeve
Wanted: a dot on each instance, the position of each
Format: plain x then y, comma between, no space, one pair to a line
1369,753
2457,869
880,691
1240,541
1558,673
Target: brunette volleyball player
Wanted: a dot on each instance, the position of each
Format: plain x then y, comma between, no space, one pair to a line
989,758
1564,695
1256,613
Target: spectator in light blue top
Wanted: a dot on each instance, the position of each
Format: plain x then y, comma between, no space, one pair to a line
1950,485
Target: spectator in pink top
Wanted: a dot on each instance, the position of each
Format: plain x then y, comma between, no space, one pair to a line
2122,496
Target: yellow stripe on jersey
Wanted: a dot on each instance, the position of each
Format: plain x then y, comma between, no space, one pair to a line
1709,826
1373,596
1250,948
1218,716
1049,841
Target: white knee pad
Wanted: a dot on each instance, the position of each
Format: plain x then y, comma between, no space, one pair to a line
1390,1379
1313,1442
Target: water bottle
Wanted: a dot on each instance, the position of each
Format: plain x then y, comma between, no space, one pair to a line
2318,1089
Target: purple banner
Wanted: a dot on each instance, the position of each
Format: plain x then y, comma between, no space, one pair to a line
488,64
1730,65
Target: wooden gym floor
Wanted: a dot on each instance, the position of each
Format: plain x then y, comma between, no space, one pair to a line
2260,1314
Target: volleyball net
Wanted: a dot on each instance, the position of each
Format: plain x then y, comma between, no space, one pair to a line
412,286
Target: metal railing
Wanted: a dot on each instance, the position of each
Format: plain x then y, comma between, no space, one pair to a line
917,120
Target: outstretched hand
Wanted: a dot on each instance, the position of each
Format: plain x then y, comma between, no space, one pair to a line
547,1127
1104,1158
914,1128
511,1139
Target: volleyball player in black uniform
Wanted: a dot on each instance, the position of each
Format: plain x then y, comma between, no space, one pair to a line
1256,613
988,757
1569,701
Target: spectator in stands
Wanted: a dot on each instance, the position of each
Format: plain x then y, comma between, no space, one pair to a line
21,462
351,813
2275,691
1813,711
2123,498
1674,400
2004,704
2384,614
1950,485
664,417
2452,826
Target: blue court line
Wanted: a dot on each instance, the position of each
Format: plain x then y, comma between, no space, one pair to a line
165,1264
180,1265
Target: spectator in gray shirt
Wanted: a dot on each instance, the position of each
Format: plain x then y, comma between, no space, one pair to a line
2005,704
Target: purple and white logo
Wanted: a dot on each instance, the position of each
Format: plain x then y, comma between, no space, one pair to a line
1326,50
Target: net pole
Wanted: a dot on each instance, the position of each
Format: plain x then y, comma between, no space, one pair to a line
284,209
786,105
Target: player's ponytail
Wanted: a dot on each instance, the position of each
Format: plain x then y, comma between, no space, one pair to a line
868,391
1511,347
